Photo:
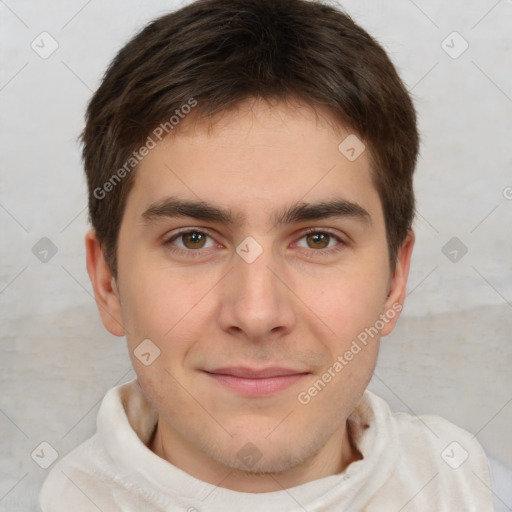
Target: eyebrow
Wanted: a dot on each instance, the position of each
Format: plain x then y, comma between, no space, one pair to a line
171,207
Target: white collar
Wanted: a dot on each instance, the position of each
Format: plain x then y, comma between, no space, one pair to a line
126,421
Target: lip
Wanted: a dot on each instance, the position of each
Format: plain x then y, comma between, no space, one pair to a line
256,382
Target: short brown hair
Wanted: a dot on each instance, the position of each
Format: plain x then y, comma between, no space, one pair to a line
213,54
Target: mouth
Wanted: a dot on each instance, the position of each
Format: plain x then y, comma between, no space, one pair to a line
256,382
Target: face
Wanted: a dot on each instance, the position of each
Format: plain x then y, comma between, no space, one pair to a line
253,256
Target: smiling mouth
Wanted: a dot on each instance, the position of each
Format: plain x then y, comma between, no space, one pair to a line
256,382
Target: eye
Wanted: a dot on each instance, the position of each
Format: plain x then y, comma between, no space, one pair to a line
193,242
321,241
190,240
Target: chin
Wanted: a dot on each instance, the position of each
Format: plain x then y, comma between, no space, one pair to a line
266,465
260,454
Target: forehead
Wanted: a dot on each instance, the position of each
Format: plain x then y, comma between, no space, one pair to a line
256,157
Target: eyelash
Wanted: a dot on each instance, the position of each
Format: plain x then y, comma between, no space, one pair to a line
200,252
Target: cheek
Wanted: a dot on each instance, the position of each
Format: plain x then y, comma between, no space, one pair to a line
154,304
350,308
168,306
349,301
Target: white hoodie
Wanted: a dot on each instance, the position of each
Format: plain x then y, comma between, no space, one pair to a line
409,464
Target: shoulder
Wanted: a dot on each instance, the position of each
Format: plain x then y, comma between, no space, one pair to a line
436,439
71,484
430,435
86,478
434,454
501,481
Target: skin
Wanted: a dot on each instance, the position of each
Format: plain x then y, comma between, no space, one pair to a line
296,306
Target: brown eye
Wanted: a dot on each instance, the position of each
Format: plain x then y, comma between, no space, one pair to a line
318,240
193,240
190,241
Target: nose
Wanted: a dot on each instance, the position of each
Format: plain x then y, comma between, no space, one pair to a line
257,303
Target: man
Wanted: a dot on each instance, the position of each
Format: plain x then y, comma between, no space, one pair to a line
249,165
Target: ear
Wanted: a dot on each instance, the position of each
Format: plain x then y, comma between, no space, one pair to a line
104,285
398,284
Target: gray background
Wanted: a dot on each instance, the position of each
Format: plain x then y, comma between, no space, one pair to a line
450,355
